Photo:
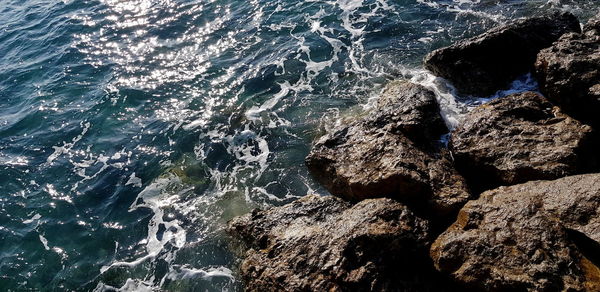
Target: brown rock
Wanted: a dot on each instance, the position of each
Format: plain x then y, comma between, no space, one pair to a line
409,109
537,236
489,62
569,73
376,157
325,244
519,138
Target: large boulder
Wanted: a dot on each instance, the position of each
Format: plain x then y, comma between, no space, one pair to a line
537,236
519,138
569,73
489,62
326,244
389,153
409,109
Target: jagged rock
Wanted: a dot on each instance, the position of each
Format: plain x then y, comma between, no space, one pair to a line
487,63
537,236
377,156
569,73
326,244
409,109
593,25
519,138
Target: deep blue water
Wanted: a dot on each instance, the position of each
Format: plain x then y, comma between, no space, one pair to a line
132,130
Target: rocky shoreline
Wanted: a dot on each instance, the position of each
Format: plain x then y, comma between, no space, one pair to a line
511,204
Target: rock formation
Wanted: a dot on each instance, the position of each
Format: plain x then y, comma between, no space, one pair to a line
537,236
326,244
519,138
409,109
569,73
489,62
398,187
389,153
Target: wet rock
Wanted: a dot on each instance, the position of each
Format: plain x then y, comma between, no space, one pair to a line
537,236
519,138
389,153
569,73
409,109
487,63
326,244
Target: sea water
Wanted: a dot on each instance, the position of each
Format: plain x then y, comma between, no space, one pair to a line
131,131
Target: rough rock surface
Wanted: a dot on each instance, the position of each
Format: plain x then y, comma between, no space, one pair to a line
409,109
537,236
569,73
489,62
593,25
519,138
325,244
377,156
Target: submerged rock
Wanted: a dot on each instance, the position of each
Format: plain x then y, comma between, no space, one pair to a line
569,73
487,63
537,236
389,153
326,244
519,138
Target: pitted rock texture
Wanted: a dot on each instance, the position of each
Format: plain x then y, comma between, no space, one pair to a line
409,109
489,62
593,25
519,138
569,73
537,236
326,244
389,153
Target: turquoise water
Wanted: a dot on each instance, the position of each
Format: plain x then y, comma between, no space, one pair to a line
132,130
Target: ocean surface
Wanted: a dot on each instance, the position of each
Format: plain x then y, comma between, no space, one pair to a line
131,131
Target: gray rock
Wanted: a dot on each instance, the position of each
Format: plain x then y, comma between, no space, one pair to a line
389,153
326,244
537,236
519,138
569,73
593,25
489,62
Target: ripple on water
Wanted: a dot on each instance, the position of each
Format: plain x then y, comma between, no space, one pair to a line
132,130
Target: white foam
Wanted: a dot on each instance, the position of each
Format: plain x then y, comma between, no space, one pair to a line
131,285
453,108
248,147
44,242
254,112
135,181
66,147
452,111
348,7
155,197
463,7
35,217
181,273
